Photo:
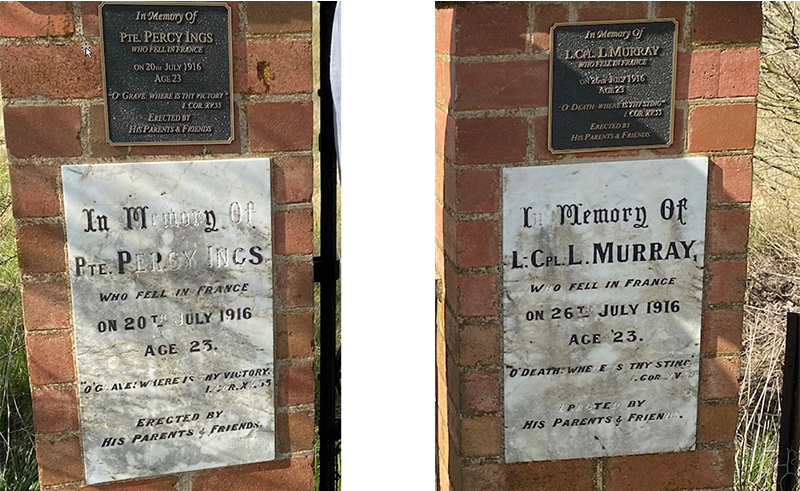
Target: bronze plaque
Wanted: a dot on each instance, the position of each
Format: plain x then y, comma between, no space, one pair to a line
612,85
167,74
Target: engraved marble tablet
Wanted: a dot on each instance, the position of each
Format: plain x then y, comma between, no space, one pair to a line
602,282
171,274
167,73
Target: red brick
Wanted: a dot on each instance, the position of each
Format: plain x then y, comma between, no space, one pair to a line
739,72
722,127
480,392
295,284
544,16
484,477
46,305
272,66
728,231
673,10
55,410
481,436
716,423
541,132
97,134
715,73
450,285
449,225
296,474
719,378
295,384
477,294
606,154
43,131
452,381
704,71
196,149
293,232
444,83
439,218
474,191
275,126
444,183
479,345
278,17
612,10
295,431
551,475
489,140
35,190
682,69
444,134
444,30
497,85
60,461
31,19
726,283
490,29
29,71
292,179
447,322
730,179
671,471
548,476
440,121
294,335
727,22
89,18
50,358
722,331
477,244
235,146
161,484
41,248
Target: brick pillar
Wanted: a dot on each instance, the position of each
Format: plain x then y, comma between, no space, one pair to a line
53,110
491,113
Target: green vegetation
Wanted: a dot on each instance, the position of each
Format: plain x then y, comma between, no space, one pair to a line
18,471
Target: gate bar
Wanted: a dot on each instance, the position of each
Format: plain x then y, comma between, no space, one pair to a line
326,265
790,401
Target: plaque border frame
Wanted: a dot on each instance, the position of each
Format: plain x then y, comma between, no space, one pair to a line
550,88
230,75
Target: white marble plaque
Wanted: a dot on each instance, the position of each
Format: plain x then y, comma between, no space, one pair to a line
603,282
171,273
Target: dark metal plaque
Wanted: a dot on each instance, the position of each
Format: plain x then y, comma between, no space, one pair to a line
612,85
167,76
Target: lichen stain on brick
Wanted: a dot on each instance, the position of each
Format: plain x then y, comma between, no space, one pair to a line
264,74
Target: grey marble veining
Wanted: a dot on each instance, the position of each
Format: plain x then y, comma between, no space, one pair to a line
602,289
171,272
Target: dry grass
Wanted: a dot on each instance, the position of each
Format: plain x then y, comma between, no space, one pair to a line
773,282
770,295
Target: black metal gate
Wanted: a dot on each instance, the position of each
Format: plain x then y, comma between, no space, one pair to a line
326,266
